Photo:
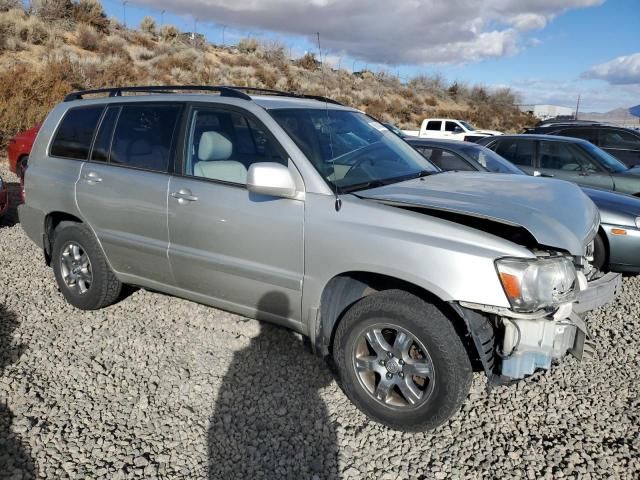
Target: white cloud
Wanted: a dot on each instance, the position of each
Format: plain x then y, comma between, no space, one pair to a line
382,31
592,97
623,70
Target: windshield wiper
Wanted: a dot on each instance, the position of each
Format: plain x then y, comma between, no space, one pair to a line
388,181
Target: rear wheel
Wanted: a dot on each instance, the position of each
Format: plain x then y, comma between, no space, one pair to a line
82,273
21,166
401,361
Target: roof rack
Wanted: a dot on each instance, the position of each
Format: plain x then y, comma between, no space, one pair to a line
118,91
223,90
553,121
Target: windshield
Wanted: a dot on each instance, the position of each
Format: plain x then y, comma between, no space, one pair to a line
468,126
351,150
490,160
608,161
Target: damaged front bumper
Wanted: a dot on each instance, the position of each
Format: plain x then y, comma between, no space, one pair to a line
524,343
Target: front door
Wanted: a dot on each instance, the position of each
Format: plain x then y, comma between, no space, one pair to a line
237,250
566,161
122,190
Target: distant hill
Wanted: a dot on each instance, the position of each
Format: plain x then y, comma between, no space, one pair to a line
617,116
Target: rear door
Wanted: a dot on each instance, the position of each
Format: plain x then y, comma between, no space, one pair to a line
521,152
434,129
622,144
239,250
122,190
566,161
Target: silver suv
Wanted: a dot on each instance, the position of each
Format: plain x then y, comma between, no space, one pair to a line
312,215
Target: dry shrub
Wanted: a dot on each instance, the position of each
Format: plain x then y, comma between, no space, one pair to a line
248,45
17,25
142,53
169,33
28,93
307,61
50,10
6,5
148,25
267,77
114,47
90,12
87,38
182,59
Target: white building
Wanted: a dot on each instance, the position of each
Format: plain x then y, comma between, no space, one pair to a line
544,112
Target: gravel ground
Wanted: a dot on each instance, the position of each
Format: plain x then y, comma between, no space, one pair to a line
161,387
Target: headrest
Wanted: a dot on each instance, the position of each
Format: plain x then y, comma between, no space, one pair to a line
140,147
214,146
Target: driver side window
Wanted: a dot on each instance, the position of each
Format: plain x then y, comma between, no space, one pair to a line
561,156
222,145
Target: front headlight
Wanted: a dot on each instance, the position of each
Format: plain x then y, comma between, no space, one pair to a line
532,284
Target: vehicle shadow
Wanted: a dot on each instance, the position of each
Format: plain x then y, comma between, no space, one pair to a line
269,420
15,458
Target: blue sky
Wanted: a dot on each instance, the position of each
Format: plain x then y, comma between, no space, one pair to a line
545,50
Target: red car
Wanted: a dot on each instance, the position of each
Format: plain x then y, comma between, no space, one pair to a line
19,149
4,197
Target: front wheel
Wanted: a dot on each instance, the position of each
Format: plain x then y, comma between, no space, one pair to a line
401,361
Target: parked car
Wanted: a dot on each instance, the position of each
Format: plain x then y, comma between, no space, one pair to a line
19,149
449,129
567,158
4,198
617,245
312,215
622,143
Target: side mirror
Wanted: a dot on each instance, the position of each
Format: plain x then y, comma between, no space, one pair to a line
536,173
270,178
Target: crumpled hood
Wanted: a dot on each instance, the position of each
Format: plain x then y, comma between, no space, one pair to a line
556,213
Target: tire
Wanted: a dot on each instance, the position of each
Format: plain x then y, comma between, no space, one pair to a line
101,287
435,347
21,166
600,254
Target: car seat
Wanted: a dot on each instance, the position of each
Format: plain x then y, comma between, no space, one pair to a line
213,160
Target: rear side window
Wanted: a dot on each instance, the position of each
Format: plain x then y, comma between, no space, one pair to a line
588,134
143,136
434,125
447,161
75,133
519,152
620,139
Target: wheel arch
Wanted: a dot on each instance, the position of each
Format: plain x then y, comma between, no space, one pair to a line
345,289
51,221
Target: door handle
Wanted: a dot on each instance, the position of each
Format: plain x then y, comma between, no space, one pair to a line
92,178
184,195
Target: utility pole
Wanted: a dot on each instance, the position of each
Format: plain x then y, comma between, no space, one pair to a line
162,19
353,66
224,27
124,12
577,108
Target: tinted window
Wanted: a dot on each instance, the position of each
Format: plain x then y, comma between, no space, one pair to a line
434,125
144,135
519,152
490,159
223,145
102,144
619,139
588,134
74,136
564,156
447,161
452,127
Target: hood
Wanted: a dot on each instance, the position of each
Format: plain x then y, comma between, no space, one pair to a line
615,208
556,213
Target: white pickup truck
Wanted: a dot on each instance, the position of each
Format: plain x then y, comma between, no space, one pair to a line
449,129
